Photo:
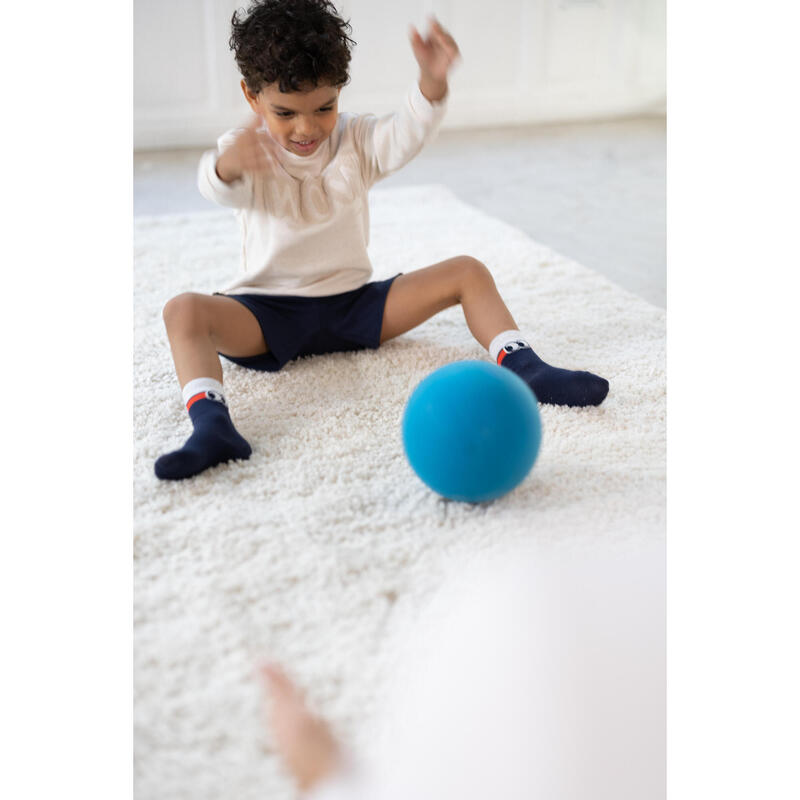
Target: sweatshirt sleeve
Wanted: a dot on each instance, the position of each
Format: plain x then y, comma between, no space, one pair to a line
390,142
237,194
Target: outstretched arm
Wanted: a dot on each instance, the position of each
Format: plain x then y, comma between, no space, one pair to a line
226,175
435,55
391,141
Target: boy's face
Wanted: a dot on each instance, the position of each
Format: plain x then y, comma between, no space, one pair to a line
297,117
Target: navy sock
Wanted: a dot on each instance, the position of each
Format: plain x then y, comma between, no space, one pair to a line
214,440
560,387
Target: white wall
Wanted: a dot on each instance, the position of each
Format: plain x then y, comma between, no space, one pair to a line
524,61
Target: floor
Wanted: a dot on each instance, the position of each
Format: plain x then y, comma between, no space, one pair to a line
594,191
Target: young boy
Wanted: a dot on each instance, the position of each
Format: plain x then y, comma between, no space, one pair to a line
298,177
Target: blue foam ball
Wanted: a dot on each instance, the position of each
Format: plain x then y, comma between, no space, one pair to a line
471,431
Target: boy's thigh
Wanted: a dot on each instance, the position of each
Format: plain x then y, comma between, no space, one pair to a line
235,330
416,296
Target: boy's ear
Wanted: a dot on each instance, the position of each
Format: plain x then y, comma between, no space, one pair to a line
251,98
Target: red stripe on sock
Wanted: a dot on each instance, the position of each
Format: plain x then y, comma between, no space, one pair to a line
501,356
194,399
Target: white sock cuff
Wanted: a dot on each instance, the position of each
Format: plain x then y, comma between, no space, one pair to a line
201,385
502,339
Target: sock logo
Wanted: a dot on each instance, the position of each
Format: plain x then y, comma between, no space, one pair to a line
511,347
216,397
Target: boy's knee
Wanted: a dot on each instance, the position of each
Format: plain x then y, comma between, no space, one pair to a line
474,270
183,311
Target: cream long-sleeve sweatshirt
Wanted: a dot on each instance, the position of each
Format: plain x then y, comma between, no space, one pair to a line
305,226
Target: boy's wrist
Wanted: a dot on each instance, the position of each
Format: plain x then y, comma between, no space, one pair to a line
432,90
224,175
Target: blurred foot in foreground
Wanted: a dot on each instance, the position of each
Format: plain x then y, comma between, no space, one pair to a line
303,740
536,674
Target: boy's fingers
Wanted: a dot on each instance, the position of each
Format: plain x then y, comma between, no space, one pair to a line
446,40
262,149
440,37
440,32
436,27
266,137
272,145
450,50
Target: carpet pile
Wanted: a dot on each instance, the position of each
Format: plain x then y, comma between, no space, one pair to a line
325,543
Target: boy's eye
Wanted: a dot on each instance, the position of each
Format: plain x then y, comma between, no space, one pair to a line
289,113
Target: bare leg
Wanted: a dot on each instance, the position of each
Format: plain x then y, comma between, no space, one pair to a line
199,326
484,309
417,296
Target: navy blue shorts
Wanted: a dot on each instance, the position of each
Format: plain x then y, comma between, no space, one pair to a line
296,326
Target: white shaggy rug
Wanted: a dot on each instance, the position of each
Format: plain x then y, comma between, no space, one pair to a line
316,549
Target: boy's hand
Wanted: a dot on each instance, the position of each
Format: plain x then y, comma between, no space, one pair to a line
435,55
253,150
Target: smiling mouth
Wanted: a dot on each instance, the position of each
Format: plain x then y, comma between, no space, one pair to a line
310,141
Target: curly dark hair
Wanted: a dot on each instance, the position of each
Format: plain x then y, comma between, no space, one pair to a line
292,42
